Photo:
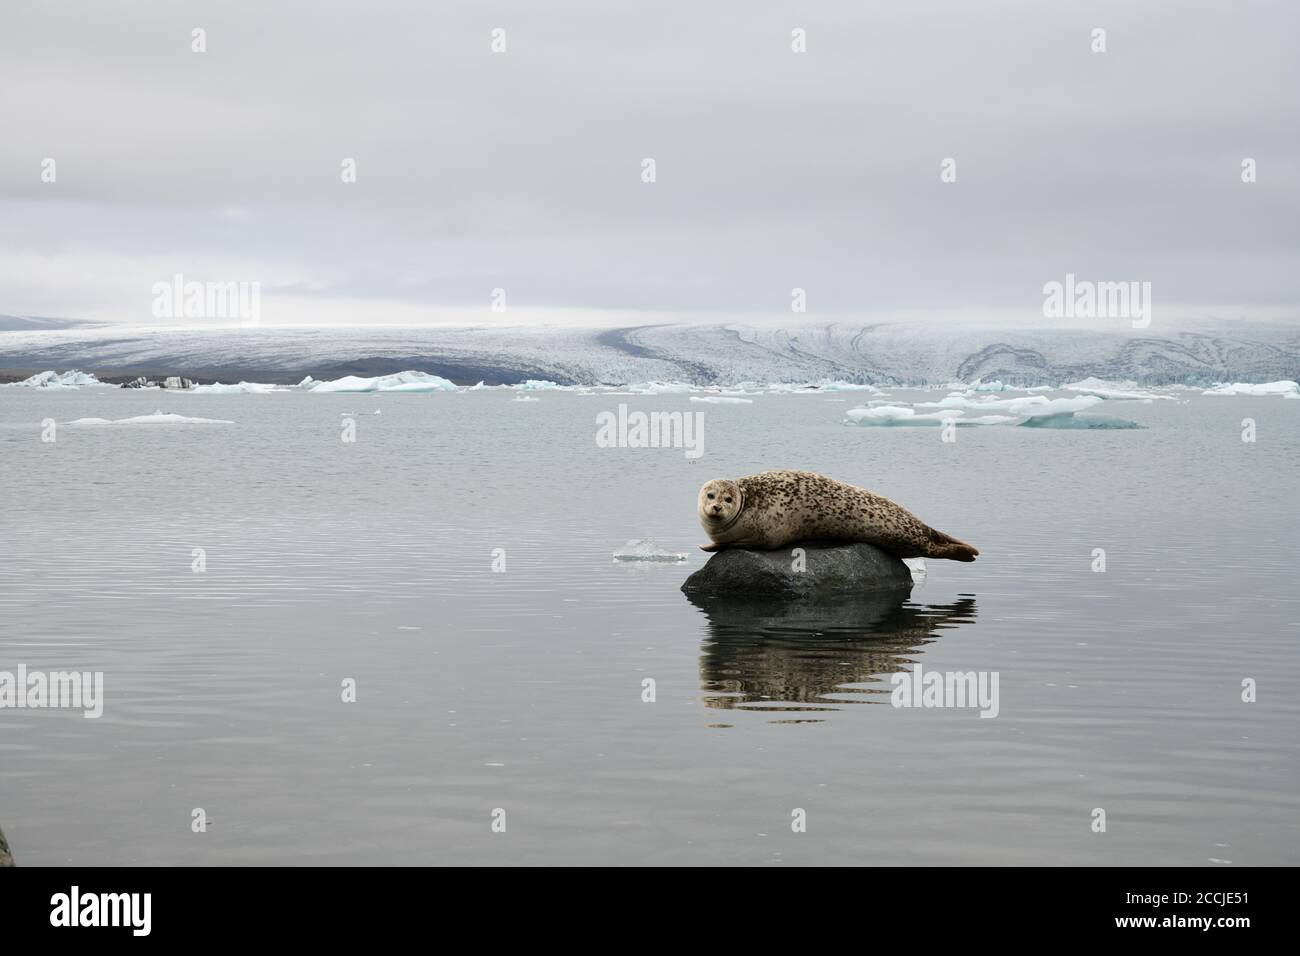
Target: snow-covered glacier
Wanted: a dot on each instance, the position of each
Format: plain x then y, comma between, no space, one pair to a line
730,355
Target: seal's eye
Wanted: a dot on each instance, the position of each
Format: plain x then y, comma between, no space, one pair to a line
710,496
727,499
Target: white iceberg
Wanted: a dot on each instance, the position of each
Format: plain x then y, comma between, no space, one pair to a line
661,388
52,379
1115,391
242,388
409,381
1036,411
1286,388
901,415
817,388
525,398
722,400
646,550
537,385
157,418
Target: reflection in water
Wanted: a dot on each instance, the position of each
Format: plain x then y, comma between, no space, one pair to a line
797,656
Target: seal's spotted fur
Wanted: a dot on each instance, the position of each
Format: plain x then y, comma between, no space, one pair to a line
777,508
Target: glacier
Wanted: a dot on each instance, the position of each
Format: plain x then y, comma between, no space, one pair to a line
657,358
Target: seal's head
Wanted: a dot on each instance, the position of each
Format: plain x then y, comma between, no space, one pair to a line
720,503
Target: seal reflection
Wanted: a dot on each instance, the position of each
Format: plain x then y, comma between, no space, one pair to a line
797,656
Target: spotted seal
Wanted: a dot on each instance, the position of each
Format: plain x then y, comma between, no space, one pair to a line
776,508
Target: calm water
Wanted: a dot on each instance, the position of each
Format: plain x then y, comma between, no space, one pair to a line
522,690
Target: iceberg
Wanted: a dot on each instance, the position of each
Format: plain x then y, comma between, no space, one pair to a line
525,398
901,415
816,388
1070,420
157,418
409,381
1286,388
1116,391
646,550
1036,411
661,388
722,400
51,379
242,388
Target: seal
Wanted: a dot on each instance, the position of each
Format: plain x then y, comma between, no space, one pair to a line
776,508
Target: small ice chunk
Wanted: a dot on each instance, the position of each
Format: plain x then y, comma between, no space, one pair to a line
646,550
722,400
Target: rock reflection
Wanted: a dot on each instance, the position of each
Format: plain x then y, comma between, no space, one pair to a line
798,656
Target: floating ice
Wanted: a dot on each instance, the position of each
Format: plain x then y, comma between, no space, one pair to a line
661,388
1287,389
815,388
409,381
157,418
1116,391
1037,411
901,415
525,398
646,550
722,400
537,385
918,569
1071,420
51,379
242,388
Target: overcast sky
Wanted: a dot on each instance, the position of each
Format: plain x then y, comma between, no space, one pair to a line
522,170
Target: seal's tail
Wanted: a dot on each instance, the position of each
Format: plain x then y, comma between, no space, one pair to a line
946,546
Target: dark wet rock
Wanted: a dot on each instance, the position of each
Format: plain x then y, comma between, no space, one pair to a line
827,568
6,859
171,381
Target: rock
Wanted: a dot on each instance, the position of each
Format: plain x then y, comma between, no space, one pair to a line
828,568
6,859
171,381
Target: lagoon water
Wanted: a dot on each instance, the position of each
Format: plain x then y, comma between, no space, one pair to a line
522,690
